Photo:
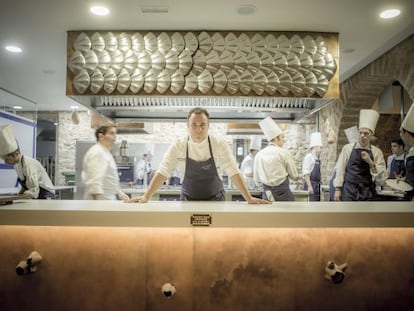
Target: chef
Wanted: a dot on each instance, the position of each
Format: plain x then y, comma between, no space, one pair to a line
100,173
200,159
360,165
32,176
246,166
352,135
143,167
396,161
311,168
407,135
273,165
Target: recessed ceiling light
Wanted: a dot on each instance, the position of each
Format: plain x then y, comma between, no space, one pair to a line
17,107
99,10
74,107
390,13
246,9
13,49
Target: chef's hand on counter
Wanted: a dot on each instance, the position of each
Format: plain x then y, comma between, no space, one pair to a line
142,199
122,195
254,200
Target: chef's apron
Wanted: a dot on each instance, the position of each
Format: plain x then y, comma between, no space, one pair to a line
409,177
279,193
358,184
332,187
201,181
397,167
43,193
315,179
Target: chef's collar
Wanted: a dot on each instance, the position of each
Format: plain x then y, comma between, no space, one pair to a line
358,146
190,139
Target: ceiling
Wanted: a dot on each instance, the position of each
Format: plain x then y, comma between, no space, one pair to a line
38,74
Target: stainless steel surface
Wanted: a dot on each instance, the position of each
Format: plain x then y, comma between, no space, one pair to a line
201,63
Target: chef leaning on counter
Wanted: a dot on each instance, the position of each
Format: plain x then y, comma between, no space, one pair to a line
273,165
199,158
360,165
32,176
311,168
407,135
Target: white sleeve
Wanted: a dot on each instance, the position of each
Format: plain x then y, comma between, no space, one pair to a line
308,164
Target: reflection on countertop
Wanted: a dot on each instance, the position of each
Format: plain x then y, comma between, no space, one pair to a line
172,193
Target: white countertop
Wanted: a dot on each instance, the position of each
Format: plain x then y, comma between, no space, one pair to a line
223,214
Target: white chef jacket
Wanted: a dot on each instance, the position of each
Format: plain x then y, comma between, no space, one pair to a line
143,167
35,175
100,174
308,164
246,168
379,177
273,164
175,157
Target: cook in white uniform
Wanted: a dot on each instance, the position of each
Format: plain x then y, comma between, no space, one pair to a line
143,167
407,135
32,176
246,166
360,165
100,174
200,159
352,135
396,161
273,164
311,168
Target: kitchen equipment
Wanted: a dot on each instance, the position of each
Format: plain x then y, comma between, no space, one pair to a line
400,185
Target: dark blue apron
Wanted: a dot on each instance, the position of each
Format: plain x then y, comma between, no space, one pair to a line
397,167
315,179
409,177
332,187
280,193
201,181
43,193
358,184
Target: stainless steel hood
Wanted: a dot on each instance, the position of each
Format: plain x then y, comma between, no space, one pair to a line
238,76
222,109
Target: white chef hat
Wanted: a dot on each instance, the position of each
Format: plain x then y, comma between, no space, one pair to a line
352,134
149,149
316,140
8,143
255,142
270,128
368,118
408,122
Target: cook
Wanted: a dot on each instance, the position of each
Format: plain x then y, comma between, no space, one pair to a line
200,159
407,135
360,165
311,168
32,176
246,166
396,161
273,165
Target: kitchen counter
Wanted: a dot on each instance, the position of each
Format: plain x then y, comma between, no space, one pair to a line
221,214
172,193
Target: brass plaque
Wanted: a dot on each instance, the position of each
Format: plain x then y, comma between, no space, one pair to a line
201,220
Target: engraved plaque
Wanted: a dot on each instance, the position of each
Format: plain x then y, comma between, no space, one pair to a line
201,220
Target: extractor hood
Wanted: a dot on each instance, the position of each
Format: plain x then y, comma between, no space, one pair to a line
244,76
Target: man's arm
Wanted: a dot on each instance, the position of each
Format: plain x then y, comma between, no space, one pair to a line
155,183
241,185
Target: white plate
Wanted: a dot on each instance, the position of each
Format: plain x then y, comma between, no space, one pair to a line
401,185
